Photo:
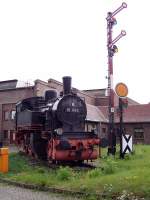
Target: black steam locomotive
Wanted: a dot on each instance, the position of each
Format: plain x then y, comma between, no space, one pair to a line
53,127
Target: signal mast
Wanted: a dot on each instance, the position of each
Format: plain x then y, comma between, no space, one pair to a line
112,49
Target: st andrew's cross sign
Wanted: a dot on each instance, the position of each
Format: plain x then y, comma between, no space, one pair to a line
127,145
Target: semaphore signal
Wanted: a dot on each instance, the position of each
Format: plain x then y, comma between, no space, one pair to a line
112,49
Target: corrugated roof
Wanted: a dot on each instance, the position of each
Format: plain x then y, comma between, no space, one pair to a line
14,84
137,113
8,84
94,114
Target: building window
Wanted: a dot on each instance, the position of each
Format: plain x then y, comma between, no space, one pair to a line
5,134
139,133
92,127
12,114
6,115
104,130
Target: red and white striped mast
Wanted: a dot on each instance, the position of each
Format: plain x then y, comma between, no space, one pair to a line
112,49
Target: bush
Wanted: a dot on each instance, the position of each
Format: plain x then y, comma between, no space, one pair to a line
128,157
18,163
64,173
94,173
109,166
42,183
40,171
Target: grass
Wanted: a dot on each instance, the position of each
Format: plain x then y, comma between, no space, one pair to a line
126,178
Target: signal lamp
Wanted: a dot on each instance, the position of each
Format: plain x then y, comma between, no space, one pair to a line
114,21
115,49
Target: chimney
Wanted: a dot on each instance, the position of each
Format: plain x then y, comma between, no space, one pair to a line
67,85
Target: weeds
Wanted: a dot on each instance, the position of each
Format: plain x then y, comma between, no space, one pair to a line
41,171
94,173
64,173
109,166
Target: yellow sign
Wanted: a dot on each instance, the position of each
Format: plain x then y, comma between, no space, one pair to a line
121,90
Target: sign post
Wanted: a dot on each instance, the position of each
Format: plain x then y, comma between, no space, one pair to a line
122,92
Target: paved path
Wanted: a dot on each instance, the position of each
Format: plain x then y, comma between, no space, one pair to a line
16,193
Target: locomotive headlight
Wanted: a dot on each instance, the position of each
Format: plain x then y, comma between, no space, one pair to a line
59,131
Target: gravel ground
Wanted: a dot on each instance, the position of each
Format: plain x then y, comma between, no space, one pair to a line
15,193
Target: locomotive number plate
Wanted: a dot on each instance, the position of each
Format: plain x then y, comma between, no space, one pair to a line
75,110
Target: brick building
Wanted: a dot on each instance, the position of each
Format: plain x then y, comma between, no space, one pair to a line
136,121
136,116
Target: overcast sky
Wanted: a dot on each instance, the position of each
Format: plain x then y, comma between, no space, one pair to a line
52,38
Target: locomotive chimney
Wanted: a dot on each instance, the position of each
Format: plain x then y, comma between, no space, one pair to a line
66,85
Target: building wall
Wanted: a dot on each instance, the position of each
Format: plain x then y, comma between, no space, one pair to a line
8,99
9,122
130,128
40,87
104,130
138,137
55,85
147,133
88,99
101,101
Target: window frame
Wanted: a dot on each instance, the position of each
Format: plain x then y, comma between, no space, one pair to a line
4,115
139,130
5,134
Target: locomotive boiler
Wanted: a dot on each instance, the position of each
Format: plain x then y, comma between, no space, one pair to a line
53,127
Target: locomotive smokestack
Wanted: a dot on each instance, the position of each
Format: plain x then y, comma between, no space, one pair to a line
67,84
